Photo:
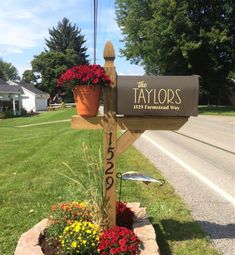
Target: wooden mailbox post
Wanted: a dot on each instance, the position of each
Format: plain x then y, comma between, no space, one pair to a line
134,126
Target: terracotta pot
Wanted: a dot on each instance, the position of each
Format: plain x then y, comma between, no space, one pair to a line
87,100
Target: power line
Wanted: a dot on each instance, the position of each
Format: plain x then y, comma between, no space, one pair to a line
95,3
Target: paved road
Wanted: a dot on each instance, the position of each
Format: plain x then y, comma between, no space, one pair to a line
199,161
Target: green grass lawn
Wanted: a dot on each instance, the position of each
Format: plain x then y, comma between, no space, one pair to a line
217,110
29,183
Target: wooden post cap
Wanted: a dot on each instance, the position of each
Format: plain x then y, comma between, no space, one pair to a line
109,52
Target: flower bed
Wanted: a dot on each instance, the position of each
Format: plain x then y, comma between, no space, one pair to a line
29,241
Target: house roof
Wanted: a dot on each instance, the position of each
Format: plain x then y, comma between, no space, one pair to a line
32,89
6,88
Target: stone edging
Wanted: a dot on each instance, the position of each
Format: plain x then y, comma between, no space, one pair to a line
28,242
144,230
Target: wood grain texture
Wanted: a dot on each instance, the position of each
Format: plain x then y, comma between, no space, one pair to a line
131,123
79,122
126,139
110,134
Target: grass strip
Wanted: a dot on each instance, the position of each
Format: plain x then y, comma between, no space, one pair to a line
216,110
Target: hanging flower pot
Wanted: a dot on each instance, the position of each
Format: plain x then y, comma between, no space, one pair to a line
86,95
87,100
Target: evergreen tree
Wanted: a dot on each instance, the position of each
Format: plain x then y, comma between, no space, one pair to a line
65,49
67,36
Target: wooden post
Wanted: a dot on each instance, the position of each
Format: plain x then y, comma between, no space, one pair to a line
110,134
134,126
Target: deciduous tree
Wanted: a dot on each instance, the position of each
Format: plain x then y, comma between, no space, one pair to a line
29,77
173,37
8,71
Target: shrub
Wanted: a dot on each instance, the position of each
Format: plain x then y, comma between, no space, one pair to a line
24,112
7,114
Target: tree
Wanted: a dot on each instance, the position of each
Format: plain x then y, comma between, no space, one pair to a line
50,65
67,36
29,77
8,71
181,37
65,49
2,71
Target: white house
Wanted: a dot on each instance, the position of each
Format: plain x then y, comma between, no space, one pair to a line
10,98
33,99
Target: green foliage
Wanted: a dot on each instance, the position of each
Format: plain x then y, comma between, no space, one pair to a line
65,49
50,65
3,74
7,114
92,183
8,71
217,110
181,37
67,36
29,77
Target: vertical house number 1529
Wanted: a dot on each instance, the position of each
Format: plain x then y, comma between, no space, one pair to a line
109,169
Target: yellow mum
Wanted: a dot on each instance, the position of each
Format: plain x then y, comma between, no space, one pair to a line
74,244
79,237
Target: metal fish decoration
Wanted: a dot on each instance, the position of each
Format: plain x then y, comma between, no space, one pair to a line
134,176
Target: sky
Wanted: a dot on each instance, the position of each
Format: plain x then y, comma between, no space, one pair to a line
24,26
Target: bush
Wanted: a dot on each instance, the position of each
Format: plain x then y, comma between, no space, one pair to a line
5,115
24,111
2,115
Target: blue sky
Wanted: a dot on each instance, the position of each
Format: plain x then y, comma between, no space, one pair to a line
24,26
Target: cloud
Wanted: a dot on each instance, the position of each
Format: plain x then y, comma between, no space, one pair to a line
24,26
19,30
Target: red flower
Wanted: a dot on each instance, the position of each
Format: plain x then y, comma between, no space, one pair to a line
118,241
84,75
124,216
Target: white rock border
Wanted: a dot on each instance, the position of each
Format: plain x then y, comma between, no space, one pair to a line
28,243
